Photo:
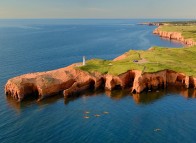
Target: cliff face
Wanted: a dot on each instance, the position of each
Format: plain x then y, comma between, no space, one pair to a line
52,82
175,36
70,80
149,81
161,79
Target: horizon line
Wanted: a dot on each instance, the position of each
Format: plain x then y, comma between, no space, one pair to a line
92,18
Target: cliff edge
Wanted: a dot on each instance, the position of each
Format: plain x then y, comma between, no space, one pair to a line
137,70
174,36
71,80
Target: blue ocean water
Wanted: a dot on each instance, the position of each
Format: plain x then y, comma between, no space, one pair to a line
40,45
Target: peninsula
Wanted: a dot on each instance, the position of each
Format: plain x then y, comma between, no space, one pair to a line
138,70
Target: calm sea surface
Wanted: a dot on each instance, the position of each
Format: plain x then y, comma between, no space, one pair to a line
40,45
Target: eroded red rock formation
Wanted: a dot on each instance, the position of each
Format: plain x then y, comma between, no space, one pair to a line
70,80
48,83
175,36
149,80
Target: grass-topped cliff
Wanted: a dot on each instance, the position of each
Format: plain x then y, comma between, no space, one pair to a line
156,58
188,31
133,68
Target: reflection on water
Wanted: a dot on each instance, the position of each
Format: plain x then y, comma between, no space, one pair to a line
188,93
148,97
117,94
31,101
173,41
56,119
143,98
83,95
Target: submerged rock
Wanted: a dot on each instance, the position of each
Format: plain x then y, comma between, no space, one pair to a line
157,130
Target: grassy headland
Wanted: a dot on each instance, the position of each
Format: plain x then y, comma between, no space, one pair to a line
157,58
188,30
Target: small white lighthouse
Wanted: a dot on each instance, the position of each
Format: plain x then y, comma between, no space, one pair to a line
84,60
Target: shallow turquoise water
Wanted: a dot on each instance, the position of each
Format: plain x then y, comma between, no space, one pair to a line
39,45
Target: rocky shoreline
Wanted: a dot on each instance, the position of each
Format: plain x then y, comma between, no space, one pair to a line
174,36
152,23
71,80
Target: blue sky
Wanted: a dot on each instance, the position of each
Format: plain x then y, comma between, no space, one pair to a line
97,9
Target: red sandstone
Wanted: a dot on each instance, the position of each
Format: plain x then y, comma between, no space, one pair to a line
175,36
70,80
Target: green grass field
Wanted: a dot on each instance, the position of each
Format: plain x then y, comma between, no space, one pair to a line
158,58
187,30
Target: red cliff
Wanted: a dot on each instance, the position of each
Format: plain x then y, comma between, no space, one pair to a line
52,82
174,36
70,80
161,79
